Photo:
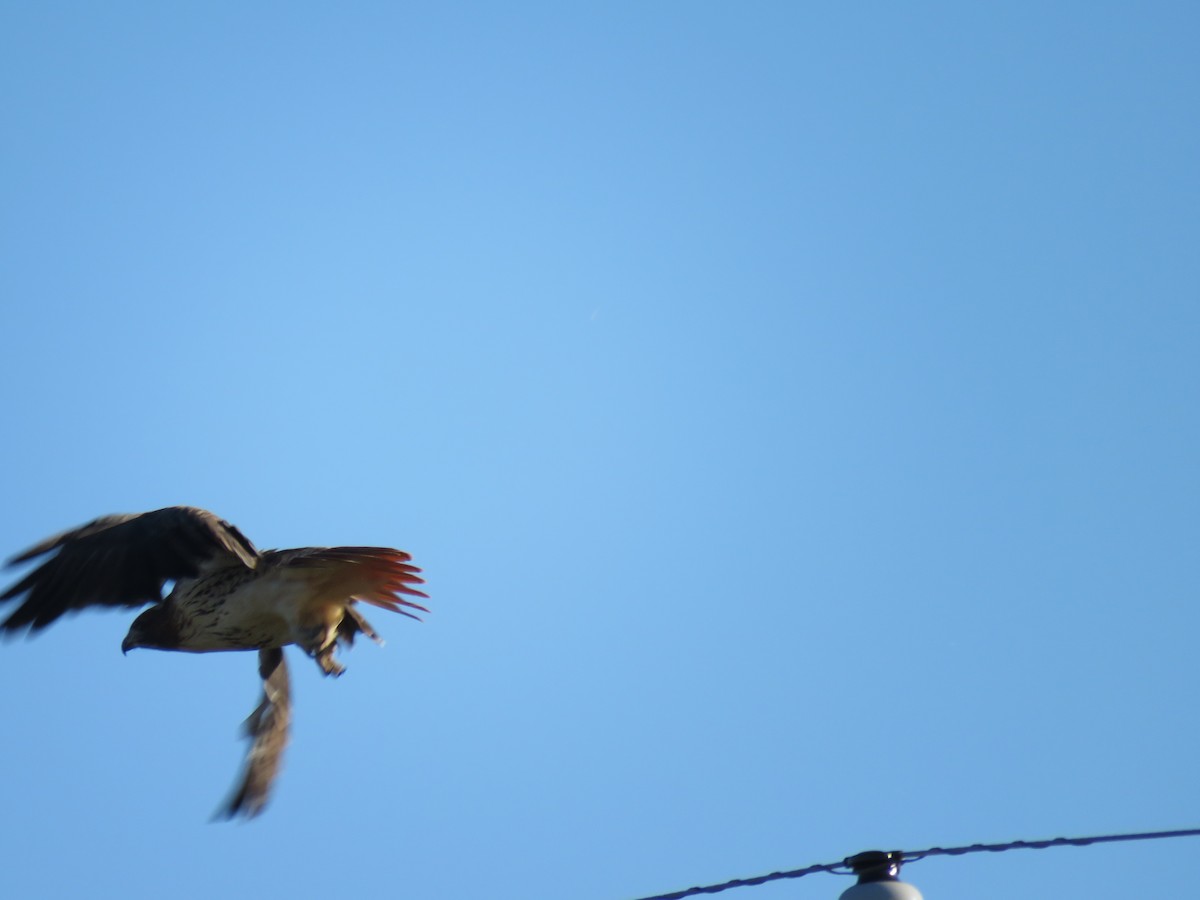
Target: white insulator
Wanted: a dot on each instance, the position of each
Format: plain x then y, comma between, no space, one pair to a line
882,890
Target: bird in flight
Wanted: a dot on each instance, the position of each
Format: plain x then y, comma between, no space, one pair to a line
225,595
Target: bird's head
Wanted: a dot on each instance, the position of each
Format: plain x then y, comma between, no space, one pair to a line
154,629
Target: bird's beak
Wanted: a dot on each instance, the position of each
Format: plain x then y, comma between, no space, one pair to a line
128,644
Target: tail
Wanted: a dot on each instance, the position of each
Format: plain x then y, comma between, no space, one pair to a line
379,576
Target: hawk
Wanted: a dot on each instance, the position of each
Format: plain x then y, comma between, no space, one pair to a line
225,595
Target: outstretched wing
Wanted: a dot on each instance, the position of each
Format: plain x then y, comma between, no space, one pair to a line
120,560
267,729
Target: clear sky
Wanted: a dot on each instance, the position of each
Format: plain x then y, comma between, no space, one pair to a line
793,406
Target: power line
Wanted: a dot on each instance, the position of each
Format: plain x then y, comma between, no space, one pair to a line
843,867
1053,842
748,882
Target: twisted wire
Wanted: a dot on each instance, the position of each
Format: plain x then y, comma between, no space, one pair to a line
843,866
913,856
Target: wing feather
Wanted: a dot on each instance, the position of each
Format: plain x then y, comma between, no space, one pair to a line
121,560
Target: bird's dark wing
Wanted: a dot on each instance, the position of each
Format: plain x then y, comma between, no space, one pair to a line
121,560
267,729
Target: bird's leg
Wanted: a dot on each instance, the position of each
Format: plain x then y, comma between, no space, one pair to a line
328,664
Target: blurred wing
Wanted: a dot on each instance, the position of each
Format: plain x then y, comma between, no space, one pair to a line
267,729
121,560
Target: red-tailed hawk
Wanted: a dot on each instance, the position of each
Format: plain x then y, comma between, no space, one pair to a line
226,596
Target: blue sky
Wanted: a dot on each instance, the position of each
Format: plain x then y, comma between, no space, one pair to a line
793,407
